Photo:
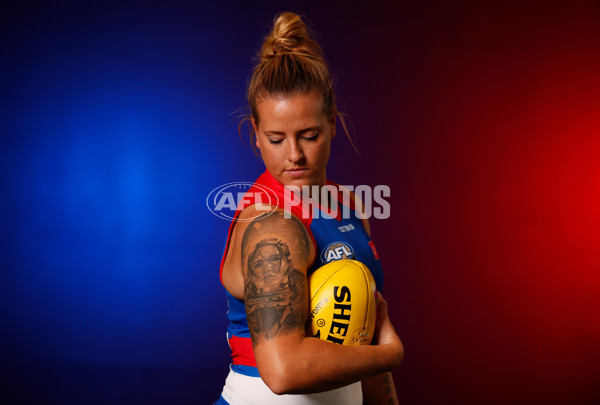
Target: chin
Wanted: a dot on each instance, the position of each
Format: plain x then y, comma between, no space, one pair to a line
307,179
300,182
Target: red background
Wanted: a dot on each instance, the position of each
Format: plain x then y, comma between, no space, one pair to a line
485,122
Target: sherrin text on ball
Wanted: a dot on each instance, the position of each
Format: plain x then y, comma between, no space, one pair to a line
343,303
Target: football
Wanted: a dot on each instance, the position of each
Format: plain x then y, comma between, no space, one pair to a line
343,303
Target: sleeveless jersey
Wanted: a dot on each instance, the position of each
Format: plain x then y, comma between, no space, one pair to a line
334,238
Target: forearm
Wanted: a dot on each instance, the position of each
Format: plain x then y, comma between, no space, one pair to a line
307,365
379,390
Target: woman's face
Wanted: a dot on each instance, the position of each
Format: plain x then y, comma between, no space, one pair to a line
294,137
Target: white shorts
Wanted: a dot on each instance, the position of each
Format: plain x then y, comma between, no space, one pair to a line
241,389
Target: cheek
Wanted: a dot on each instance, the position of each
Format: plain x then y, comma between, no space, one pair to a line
323,153
268,154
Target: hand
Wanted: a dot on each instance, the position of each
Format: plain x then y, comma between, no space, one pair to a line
385,333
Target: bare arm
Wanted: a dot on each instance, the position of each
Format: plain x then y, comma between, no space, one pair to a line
379,390
275,256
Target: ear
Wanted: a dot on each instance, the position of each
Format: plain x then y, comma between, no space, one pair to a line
255,129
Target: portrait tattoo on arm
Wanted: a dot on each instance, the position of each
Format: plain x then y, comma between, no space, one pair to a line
275,290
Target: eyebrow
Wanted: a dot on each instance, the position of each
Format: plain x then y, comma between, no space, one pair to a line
302,131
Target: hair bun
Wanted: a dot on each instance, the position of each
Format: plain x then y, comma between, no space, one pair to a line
289,35
291,62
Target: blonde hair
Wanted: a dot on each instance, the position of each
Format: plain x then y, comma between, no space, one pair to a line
290,61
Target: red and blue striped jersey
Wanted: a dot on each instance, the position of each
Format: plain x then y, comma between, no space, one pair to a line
334,238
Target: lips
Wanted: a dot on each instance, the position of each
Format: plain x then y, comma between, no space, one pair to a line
296,172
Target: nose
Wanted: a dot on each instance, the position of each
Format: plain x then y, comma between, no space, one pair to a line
294,152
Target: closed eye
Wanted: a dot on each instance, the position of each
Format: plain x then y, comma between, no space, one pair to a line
311,137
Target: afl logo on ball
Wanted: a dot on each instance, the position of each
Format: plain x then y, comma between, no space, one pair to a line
337,251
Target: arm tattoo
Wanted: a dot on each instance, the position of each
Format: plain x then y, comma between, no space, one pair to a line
275,290
387,380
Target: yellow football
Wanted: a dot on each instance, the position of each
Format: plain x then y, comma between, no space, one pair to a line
343,303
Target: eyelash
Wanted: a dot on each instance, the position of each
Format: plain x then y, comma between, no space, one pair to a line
309,139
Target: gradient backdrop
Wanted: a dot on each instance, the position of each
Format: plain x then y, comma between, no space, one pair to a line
118,118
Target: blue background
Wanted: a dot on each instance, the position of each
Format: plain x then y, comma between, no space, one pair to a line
119,118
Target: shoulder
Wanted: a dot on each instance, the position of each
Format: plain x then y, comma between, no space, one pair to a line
259,225
263,217
267,220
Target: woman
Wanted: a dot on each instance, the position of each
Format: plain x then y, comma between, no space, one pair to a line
269,254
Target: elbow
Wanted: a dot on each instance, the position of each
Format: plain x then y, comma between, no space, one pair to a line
277,384
400,355
281,379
